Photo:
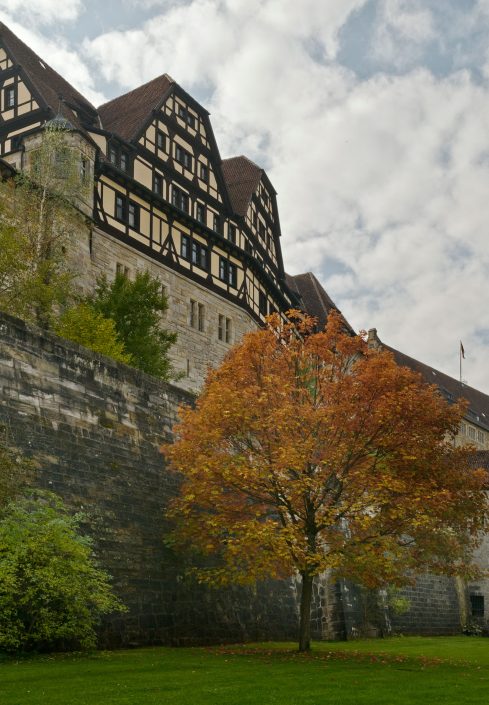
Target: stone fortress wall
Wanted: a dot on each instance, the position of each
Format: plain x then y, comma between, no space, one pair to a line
95,429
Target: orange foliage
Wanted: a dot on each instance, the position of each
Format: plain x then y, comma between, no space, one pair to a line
312,451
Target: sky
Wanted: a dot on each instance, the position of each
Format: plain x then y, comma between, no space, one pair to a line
371,118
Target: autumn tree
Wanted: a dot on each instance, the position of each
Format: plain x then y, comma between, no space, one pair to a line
309,451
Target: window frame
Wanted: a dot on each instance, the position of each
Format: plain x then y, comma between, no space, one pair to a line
228,272
10,90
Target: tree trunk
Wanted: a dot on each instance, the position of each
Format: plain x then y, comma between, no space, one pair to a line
305,614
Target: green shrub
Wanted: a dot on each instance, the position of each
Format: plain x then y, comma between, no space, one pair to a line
83,325
52,593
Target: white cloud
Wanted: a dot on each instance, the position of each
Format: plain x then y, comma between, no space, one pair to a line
404,29
382,182
46,12
60,56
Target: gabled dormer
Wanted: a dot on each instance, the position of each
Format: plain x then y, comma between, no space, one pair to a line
31,93
253,201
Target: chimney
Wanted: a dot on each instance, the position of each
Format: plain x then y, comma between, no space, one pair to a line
373,340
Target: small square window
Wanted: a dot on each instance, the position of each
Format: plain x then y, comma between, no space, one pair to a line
190,120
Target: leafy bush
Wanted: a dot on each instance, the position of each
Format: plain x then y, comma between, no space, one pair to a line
82,324
52,593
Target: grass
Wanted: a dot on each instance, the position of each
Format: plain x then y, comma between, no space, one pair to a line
393,671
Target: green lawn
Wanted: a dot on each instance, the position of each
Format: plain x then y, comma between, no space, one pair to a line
392,672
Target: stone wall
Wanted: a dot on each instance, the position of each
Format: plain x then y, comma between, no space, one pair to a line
95,429
195,350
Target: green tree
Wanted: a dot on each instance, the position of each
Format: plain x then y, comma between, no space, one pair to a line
38,222
83,325
136,307
52,593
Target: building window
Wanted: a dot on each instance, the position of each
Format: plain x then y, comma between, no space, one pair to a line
121,270
120,208
261,230
186,116
179,199
9,97
224,329
127,211
471,432
217,223
228,272
197,315
119,157
204,173
158,184
199,255
133,215
463,428
183,157
263,303
480,436
185,247
200,214
477,605
232,233
160,140
194,252
84,170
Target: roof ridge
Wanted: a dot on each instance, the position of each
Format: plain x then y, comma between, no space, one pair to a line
463,385
133,90
44,64
243,156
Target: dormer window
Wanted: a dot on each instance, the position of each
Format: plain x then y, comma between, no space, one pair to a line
119,157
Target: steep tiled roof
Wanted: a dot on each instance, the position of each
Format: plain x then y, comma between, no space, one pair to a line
450,387
242,177
315,300
126,114
51,87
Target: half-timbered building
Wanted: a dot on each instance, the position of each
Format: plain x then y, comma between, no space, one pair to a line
162,200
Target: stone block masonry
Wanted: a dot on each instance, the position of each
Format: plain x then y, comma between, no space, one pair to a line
95,429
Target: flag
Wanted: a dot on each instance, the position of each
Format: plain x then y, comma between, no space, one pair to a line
462,351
